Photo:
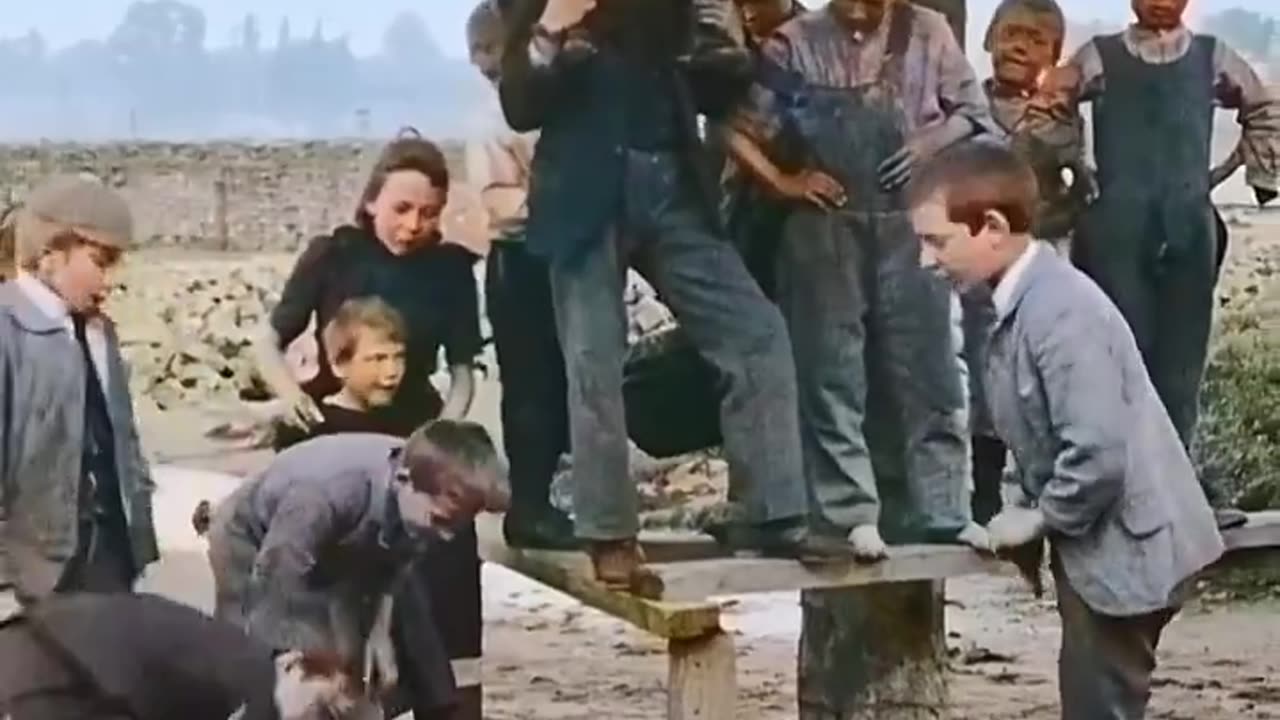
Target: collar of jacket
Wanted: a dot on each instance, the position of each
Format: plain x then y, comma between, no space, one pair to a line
1038,264
25,312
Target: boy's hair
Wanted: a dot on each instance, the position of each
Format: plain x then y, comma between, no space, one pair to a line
975,177
1048,8
484,24
366,313
458,443
408,151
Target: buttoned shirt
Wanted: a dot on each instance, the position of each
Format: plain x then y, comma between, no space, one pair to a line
53,306
1237,87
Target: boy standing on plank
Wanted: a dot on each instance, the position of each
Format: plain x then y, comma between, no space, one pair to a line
1150,239
1102,474
75,490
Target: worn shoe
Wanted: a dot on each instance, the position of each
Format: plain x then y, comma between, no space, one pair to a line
1228,518
619,565
797,542
545,529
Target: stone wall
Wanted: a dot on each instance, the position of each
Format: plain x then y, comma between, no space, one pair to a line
237,196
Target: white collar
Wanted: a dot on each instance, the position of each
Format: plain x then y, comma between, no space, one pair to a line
1002,297
43,297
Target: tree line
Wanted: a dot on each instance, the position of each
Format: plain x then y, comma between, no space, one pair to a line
153,76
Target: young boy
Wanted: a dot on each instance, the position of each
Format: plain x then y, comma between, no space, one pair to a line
1025,41
159,660
1150,239
307,554
535,410
75,491
1101,471
865,89
365,341
366,345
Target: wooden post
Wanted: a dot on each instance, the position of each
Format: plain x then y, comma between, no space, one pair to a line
875,652
222,228
702,678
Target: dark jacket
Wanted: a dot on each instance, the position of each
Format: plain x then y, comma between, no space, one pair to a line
576,188
42,399
155,657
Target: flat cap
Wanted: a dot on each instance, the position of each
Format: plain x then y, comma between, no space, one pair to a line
80,204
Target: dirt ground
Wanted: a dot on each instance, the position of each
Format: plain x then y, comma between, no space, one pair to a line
549,658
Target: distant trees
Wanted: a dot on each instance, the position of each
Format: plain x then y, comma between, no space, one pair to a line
1248,32
155,75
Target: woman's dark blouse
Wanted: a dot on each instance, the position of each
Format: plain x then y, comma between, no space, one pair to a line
434,290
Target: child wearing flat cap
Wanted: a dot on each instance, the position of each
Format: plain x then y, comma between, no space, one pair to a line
75,491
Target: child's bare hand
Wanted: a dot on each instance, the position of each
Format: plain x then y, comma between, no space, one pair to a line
302,412
813,186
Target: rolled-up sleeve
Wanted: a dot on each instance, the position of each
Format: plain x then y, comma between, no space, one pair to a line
1238,87
1083,381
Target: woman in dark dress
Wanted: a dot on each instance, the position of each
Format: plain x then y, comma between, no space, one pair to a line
394,252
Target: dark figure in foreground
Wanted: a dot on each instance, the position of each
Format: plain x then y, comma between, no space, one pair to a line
616,178
1101,472
91,656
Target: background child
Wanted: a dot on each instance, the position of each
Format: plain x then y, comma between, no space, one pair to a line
365,342
76,493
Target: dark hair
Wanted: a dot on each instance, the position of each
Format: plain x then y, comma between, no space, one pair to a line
1049,8
440,444
366,313
975,177
408,151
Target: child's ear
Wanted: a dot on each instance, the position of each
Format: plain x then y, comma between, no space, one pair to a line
996,222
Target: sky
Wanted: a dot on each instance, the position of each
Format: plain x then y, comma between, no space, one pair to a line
64,22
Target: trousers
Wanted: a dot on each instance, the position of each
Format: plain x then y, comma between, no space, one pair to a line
726,317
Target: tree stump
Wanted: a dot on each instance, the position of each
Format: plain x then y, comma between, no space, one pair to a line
873,652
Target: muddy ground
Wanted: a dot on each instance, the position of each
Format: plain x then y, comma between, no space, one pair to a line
547,657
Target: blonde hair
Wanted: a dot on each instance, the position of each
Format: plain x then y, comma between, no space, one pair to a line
368,313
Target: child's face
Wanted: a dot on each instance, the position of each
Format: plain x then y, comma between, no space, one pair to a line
373,373
441,512
79,275
861,15
406,213
486,56
951,249
1025,44
1159,14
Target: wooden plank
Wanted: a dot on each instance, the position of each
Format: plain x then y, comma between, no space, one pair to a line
735,576
702,679
570,573
1262,531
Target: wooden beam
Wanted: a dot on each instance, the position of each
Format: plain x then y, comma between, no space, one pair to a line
1262,531
737,576
571,573
702,678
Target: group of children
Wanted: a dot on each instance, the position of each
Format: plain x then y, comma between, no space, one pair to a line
883,163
